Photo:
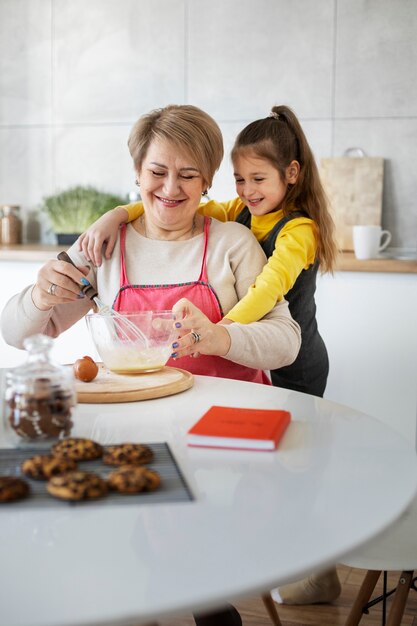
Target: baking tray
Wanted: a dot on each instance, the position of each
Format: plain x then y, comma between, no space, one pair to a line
173,488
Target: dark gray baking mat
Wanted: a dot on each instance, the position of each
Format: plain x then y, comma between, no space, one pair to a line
173,486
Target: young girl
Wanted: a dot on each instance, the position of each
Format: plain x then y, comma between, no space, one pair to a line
282,201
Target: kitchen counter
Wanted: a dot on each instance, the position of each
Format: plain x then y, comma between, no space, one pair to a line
346,262
32,252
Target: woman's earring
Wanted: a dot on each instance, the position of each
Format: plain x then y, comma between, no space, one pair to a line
205,192
137,183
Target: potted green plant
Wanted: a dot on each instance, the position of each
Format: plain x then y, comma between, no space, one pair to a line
70,212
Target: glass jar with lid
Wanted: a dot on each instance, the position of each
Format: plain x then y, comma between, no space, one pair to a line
39,397
10,225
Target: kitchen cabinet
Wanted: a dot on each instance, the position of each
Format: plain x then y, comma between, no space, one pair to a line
369,324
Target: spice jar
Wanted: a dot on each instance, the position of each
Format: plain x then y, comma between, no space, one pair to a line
10,225
39,397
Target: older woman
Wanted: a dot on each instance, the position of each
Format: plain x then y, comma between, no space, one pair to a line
171,257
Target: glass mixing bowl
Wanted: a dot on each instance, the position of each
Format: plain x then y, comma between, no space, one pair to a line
133,342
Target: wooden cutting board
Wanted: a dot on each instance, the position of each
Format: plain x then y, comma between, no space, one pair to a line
354,187
110,387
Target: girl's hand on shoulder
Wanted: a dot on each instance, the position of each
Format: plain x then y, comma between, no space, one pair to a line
58,282
196,333
104,231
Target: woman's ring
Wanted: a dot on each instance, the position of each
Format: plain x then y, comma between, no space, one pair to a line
196,337
51,289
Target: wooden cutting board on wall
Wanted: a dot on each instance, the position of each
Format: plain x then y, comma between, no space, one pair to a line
354,187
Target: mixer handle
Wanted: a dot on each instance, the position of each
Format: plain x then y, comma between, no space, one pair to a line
88,290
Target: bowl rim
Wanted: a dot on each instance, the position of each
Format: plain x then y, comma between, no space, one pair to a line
125,313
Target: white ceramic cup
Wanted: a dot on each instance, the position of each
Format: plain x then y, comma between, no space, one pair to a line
369,241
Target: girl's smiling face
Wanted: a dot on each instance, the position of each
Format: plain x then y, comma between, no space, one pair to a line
170,185
259,184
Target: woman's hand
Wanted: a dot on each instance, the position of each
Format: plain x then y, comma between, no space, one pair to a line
196,333
58,282
103,231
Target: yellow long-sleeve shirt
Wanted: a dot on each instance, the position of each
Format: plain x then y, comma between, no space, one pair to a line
295,250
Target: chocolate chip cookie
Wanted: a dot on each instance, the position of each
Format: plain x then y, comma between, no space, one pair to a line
44,466
133,479
77,486
77,449
152,478
13,488
128,454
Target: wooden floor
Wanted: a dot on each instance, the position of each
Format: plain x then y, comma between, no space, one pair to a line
253,612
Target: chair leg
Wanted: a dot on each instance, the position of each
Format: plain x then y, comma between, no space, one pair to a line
400,599
272,609
362,598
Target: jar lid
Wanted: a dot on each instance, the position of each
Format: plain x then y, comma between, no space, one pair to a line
38,364
9,208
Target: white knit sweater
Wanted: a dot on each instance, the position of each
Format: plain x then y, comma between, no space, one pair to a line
234,259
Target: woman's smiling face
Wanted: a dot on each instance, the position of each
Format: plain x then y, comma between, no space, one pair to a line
170,185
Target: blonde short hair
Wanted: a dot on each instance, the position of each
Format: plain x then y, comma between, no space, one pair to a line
189,128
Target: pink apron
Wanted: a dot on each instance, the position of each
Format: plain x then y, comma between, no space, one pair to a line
163,297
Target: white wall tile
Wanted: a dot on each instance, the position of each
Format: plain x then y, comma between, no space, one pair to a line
376,58
114,60
246,55
25,166
224,185
74,76
396,141
25,61
93,155
319,136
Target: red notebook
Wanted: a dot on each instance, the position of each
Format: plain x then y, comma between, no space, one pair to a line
231,427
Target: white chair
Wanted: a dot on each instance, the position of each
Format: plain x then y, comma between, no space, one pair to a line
394,550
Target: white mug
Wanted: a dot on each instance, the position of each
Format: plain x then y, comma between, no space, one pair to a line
368,241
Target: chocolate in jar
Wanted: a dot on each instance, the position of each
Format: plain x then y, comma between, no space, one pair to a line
40,396
44,412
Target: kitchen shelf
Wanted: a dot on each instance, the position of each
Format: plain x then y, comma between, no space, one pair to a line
32,252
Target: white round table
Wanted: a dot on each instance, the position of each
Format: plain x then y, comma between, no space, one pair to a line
259,519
